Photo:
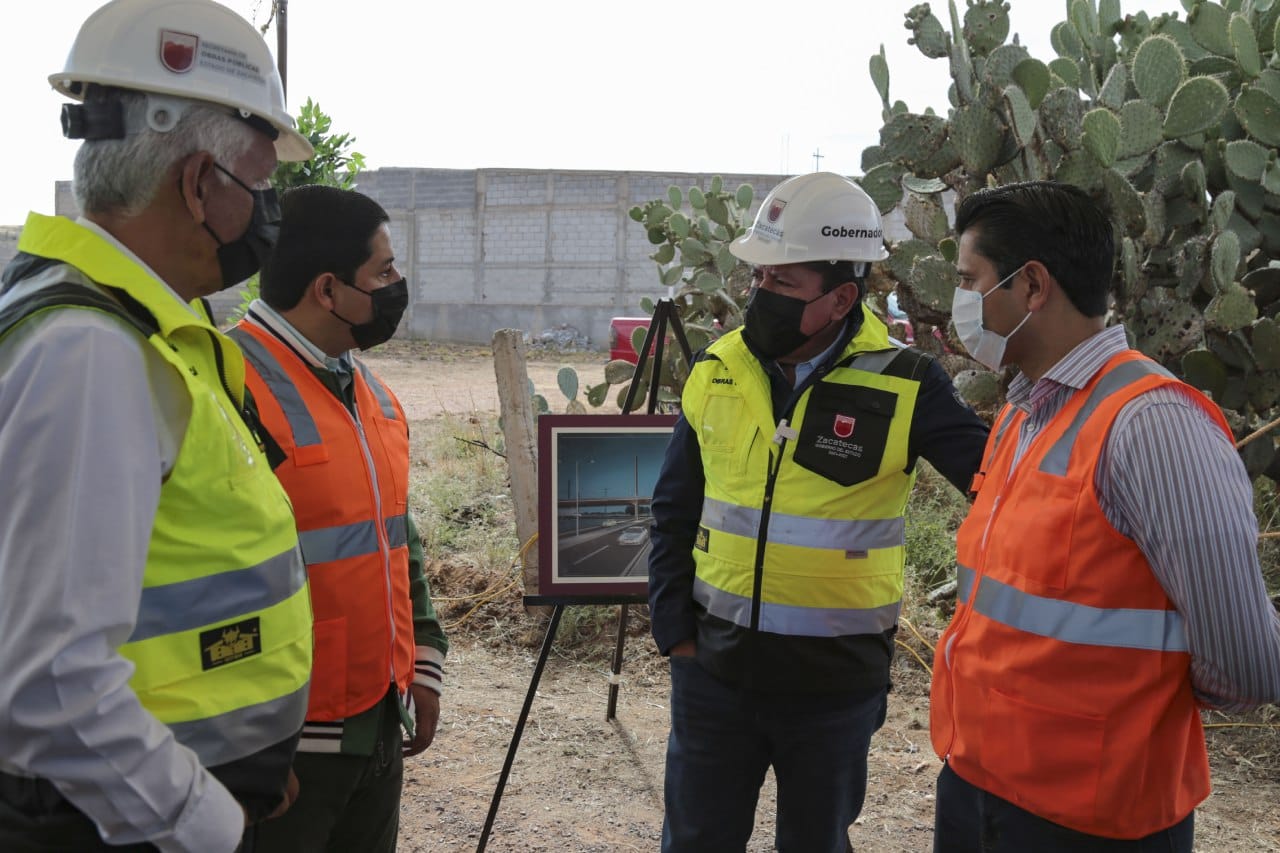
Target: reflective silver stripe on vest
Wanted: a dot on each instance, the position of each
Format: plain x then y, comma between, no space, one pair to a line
840,534
220,597
964,583
397,531
301,424
338,542
874,362
244,731
1002,426
1055,461
343,541
1154,630
794,621
379,391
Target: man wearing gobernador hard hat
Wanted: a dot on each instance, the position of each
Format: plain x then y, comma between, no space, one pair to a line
155,627
776,573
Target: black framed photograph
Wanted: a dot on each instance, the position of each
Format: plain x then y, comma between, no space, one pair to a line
596,475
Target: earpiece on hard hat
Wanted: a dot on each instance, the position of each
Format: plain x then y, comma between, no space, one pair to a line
98,120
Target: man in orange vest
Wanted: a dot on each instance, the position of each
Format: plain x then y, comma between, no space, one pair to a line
331,285
1109,584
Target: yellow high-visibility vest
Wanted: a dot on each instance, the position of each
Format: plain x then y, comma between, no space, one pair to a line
802,530
222,642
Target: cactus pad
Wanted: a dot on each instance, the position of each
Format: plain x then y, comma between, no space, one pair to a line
1266,344
1022,116
1259,114
904,254
1224,260
932,282
1210,28
978,135
979,388
927,33
1126,203
1166,328
986,26
1204,370
920,143
925,217
1244,45
1066,42
1061,113
1032,76
1140,132
882,183
1158,69
1081,169
1115,87
1246,159
1230,310
1196,106
1101,134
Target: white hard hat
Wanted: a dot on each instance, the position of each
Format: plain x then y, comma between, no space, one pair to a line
192,49
817,217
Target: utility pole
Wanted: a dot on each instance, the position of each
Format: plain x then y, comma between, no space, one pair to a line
817,154
282,42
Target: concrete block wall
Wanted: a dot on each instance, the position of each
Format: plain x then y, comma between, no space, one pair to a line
535,250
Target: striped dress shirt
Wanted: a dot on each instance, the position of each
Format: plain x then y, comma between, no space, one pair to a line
1168,479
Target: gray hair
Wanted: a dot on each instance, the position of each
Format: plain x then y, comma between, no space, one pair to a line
122,176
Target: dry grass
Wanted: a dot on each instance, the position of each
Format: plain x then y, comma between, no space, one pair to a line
460,498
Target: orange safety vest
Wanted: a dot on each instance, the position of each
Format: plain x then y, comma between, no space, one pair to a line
348,480
1063,682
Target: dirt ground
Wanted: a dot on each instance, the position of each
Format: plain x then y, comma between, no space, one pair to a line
580,783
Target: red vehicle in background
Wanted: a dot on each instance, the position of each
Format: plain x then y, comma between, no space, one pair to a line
623,329
620,332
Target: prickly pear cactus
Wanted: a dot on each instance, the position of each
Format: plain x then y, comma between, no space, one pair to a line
691,232
1172,123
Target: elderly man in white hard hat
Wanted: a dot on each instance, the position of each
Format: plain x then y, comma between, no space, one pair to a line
155,628
776,574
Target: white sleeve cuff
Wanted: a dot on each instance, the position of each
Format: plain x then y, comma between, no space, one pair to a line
428,668
211,822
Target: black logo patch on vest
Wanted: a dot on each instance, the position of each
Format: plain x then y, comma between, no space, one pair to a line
700,542
230,643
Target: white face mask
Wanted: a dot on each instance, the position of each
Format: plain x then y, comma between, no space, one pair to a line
986,347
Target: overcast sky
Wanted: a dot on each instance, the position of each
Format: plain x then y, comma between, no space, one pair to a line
658,85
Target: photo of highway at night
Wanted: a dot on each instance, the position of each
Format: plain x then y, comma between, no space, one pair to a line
604,484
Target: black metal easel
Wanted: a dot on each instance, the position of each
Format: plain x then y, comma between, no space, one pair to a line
664,317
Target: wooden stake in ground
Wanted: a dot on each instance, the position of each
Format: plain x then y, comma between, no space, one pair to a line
516,405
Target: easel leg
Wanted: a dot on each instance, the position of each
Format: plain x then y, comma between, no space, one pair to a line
552,627
617,664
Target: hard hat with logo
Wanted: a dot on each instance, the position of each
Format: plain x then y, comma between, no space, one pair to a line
175,51
817,217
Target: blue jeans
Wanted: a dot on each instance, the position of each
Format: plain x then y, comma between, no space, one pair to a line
971,820
723,740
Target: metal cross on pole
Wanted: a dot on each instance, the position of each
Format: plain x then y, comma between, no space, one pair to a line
817,156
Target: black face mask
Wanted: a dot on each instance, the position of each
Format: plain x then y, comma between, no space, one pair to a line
771,326
388,307
243,257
